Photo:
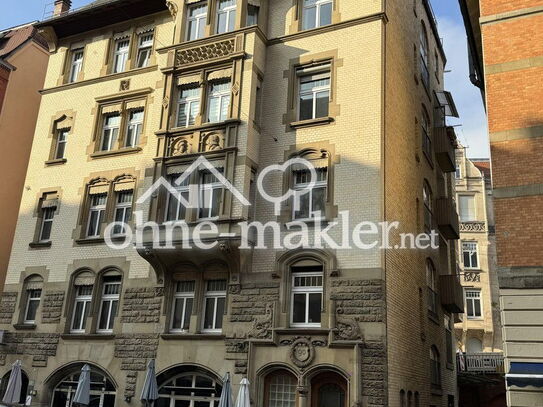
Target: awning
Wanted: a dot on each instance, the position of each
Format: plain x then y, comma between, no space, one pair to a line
524,374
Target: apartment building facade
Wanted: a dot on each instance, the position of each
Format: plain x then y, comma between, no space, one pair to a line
138,92
507,54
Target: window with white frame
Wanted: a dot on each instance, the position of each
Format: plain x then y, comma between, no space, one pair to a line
175,208
218,102
431,281
189,105
210,195
82,302
474,308
470,255
426,134
123,211
110,131
46,223
316,13
183,300
312,201
33,298
281,389
458,172
145,47
109,304
226,16
467,208
96,215
252,14
196,21
134,128
76,64
306,296
424,57
62,139
314,92
214,305
120,56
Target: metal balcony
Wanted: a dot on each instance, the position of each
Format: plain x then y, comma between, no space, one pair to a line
444,148
483,363
452,294
447,218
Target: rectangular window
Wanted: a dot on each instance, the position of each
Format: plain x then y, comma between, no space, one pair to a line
458,173
218,102
109,303
469,255
47,224
176,210
306,302
32,304
120,56
252,15
467,208
183,300
145,47
81,308
316,13
189,105
314,96
97,212
474,309
123,211
110,131
312,203
210,195
196,21
226,16
62,138
76,64
214,305
134,128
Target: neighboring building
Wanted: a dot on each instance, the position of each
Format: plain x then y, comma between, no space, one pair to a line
354,88
513,70
23,63
479,333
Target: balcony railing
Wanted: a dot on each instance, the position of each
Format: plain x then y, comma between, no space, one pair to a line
480,363
452,294
444,148
472,227
447,218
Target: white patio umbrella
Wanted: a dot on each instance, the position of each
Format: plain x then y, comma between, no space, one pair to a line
243,399
82,393
226,395
15,382
149,394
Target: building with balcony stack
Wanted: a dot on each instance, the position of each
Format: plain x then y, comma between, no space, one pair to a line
137,90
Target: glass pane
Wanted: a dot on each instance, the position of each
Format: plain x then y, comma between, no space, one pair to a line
477,305
325,14
192,33
46,230
114,306
220,312
323,99
214,109
104,315
61,147
309,18
469,303
188,312
78,313
93,223
474,260
225,104
331,395
231,20
221,23
209,312
466,260
315,304
32,310
318,199
306,107
177,313
215,203
303,212
298,308
202,27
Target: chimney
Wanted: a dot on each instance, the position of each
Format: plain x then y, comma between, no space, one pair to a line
61,7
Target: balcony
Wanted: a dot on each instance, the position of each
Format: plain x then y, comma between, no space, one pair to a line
444,148
452,294
447,218
467,227
482,363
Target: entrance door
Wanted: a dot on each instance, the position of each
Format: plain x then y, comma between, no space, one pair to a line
328,390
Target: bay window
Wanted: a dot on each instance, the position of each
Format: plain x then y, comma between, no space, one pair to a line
183,300
214,305
188,106
196,21
218,102
306,296
210,195
81,309
226,16
175,208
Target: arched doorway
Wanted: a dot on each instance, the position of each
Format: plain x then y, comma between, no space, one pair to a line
24,387
102,390
328,389
280,389
188,387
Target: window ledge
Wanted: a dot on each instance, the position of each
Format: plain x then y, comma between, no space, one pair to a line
25,327
301,331
39,245
311,122
90,240
203,126
87,337
120,151
57,161
181,336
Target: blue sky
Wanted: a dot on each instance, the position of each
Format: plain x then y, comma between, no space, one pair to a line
472,132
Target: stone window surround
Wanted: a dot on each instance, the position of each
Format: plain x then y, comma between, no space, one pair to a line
189,272
48,193
91,325
35,280
64,77
29,272
63,120
297,15
290,118
111,187
121,101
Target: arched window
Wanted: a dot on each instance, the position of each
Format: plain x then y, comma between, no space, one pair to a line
32,295
409,399
417,399
431,280
24,386
280,389
109,301
82,299
307,277
474,345
424,62
426,134
428,206
402,398
435,367
102,389
190,389
328,389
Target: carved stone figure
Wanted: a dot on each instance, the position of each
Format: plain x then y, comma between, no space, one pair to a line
263,324
213,142
172,7
302,349
346,328
180,147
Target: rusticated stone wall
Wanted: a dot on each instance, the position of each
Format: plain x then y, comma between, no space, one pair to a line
38,345
7,307
361,298
252,300
142,305
52,307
